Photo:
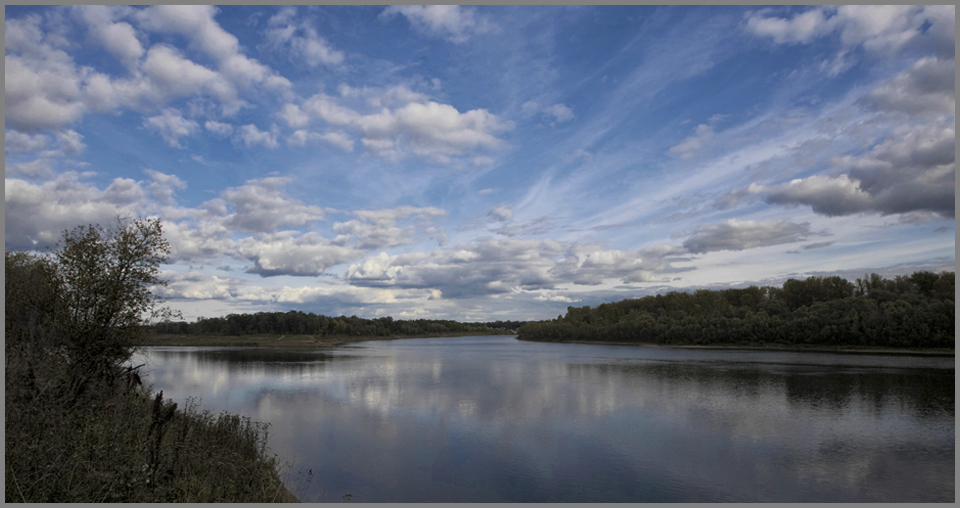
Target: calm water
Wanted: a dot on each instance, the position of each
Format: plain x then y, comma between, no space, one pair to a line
487,419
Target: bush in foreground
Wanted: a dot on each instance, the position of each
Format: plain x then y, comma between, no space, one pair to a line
79,427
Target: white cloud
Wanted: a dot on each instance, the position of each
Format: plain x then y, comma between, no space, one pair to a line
560,112
123,191
196,23
40,167
42,86
70,142
262,206
507,265
802,28
309,48
15,141
338,139
163,185
251,136
552,296
378,229
119,38
172,75
429,129
452,22
690,146
37,214
287,253
171,126
219,128
294,117
880,29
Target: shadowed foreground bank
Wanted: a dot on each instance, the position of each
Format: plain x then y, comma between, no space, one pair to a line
79,427
114,442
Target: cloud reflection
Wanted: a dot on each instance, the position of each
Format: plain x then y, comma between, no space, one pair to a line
491,419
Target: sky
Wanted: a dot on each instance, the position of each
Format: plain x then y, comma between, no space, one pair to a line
485,162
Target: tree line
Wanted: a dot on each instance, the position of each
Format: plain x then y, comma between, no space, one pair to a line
915,311
308,323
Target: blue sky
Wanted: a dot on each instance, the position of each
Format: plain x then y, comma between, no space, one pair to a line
483,163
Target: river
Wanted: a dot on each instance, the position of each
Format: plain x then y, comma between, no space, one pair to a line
494,419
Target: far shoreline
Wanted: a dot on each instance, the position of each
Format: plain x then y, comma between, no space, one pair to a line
286,341
854,350
314,342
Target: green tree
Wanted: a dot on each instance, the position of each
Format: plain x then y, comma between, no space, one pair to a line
93,293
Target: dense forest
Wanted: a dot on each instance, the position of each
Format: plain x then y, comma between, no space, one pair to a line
915,311
301,323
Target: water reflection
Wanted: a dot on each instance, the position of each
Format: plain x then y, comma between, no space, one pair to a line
493,419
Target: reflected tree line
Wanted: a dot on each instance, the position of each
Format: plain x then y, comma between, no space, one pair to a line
915,311
303,323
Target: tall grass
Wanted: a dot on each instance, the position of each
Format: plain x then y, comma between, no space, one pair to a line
75,439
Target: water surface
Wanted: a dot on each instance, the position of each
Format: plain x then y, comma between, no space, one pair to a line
493,419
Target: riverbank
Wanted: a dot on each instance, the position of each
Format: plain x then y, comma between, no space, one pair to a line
281,341
859,350
70,437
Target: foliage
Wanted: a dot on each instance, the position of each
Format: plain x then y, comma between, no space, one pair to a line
78,427
301,323
915,311
91,295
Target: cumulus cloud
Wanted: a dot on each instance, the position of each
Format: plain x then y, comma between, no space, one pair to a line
40,167
508,265
294,117
289,253
163,185
299,40
70,142
15,141
219,128
46,89
43,88
119,38
338,139
37,214
197,24
880,29
452,22
747,234
912,170
427,128
249,135
262,205
171,75
378,229
171,126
